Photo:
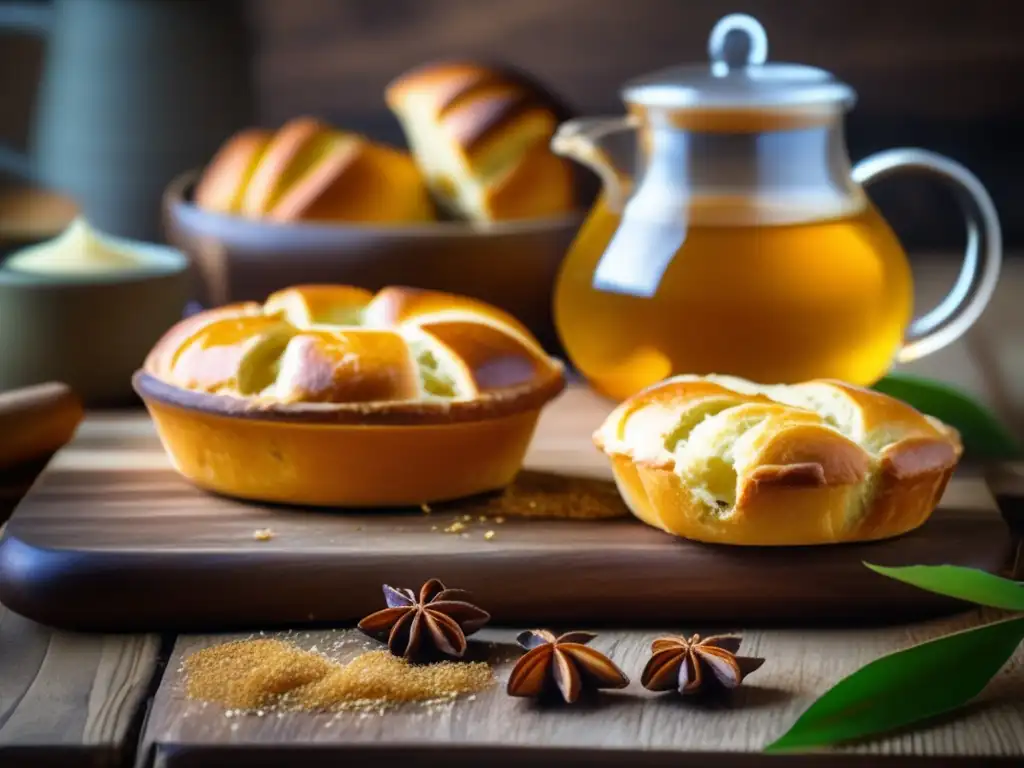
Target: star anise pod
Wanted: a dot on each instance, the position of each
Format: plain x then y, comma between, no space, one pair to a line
564,663
694,666
437,621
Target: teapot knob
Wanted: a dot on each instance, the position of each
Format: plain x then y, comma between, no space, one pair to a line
726,56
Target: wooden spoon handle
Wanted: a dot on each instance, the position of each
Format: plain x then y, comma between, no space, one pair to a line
36,421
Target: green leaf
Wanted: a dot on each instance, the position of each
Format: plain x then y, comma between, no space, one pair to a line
970,584
983,434
905,687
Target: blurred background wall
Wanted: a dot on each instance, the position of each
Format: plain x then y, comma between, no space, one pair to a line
943,74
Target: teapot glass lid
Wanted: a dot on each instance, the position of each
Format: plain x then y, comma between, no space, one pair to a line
738,76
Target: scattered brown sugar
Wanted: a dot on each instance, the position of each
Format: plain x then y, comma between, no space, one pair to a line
263,534
251,674
377,677
456,527
262,674
536,494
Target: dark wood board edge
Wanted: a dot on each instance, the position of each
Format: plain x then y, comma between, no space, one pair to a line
49,756
412,755
130,592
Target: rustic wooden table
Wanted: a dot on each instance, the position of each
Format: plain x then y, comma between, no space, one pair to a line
96,700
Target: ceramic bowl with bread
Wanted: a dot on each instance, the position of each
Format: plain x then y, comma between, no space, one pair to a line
478,204
332,395
719,459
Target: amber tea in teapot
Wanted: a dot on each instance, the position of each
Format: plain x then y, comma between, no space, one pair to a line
778,311
742,242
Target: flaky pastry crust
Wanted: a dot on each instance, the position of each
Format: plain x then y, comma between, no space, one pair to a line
720,459
337,354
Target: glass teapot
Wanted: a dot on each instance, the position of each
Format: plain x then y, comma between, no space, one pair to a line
741,241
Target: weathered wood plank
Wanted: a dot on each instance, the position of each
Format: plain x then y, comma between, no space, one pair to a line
632,726
69,699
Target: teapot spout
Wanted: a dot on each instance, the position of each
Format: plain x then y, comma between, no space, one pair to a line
582,140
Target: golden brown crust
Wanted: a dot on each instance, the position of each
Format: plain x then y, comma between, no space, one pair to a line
357,181
836,460
918,456
540,184
163,355
280,158
223,183
355,367
442,81
484,114
304,199
481,135
395,305
825,462
308,171
308,355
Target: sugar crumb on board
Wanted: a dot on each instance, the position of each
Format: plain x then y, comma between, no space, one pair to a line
262,675
535,495
538,494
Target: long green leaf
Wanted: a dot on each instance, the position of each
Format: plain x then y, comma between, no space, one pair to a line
983,434
968,584
905,687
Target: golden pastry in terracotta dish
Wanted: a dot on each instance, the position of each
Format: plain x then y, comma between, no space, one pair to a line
331,395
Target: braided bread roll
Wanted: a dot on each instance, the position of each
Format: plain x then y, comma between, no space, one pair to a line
481,137
719,459
309,171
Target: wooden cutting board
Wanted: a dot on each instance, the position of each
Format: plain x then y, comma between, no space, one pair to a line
112,539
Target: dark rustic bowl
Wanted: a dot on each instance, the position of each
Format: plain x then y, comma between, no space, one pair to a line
509,264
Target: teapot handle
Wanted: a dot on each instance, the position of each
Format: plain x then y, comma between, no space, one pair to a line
959,310
580,139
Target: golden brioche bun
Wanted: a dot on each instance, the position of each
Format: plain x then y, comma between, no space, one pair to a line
424,354
227,176
719,459
481,137
308,171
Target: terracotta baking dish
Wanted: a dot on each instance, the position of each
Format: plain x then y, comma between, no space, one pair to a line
393,454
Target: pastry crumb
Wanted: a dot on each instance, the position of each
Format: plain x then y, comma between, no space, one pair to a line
456,527
263,534
489,535
426,508
499,519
